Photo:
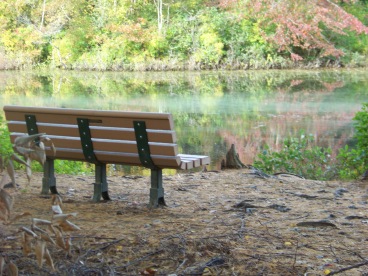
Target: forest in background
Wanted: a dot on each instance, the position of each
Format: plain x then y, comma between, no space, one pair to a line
183,35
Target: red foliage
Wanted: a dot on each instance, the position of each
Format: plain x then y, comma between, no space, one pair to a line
296,24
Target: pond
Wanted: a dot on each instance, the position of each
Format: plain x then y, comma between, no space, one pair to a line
211,110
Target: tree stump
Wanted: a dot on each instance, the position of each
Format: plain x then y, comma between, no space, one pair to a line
232,160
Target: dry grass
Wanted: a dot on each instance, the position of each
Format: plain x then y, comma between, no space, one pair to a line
201,232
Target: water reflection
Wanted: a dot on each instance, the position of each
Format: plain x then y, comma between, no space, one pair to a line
212,110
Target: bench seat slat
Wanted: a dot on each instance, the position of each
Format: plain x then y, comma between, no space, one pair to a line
203,160
166,136
114,157
196,162
162,121
110,145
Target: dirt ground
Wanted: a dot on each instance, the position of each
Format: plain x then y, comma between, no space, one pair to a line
230,222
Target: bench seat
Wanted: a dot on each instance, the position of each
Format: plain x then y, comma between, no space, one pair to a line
104,137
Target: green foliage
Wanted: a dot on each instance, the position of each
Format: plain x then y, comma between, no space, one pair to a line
73,167
298,156
361,123
5,144
193,34
352,162
67,167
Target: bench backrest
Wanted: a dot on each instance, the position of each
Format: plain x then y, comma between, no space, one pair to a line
112,133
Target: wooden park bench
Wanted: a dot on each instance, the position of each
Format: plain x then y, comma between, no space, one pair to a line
104,137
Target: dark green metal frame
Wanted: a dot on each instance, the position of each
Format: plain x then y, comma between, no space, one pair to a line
101,185
157,190
48,180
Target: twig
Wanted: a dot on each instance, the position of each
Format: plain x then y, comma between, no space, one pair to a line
139,259
180,266
333,252
296,252
288,174
91,251
109,244
348,268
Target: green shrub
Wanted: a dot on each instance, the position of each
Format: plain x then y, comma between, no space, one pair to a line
361,127
352,162
298,156
5,144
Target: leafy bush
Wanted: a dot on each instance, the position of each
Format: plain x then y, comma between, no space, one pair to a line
301,157
298,156
352,162
361,127
5,145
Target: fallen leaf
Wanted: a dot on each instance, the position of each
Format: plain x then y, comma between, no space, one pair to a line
7,199
40,251
29,170
2,265
28,231
26,139
18,159
68,245
149,271
11,172
63,217
23,151
12,269
4,178
46,237
26,244
17,217
208,272
36,221
59,238
56,200
66,225
56,209
38,155
49,260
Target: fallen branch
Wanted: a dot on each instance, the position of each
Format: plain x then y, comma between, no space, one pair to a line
348,268
140,259
108,244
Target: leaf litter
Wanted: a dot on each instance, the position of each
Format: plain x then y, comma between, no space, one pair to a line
207,228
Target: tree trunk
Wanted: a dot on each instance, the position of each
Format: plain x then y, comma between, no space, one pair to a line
232,159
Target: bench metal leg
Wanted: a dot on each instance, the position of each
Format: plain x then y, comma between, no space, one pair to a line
49,180
100,186
157,191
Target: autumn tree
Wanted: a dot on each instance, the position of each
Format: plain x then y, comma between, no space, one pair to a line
297,26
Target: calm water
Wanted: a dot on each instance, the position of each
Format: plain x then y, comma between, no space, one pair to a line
212,110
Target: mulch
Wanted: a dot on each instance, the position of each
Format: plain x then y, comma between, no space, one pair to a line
231,222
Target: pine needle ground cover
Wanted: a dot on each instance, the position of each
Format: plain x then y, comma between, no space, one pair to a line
230,222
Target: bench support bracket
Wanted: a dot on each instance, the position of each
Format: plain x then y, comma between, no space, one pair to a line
100,185
157,190
48,180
